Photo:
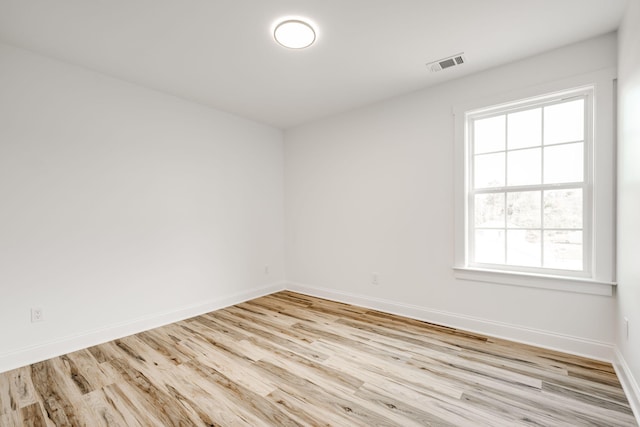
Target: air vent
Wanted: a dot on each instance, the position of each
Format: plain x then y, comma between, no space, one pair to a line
449,62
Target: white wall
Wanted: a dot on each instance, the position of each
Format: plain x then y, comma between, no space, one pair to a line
629,201
122,208
372,191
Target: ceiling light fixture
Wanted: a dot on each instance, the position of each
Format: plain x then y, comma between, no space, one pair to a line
294,34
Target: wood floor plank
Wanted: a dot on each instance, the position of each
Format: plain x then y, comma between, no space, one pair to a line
245,401
126,401
59,394
104,411
11,418
351,409
16,391
288,359
163,404
338,378
277,337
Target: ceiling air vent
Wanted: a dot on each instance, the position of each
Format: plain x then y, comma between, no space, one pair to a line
449,62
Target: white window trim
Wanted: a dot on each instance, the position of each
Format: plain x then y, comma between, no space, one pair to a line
601,154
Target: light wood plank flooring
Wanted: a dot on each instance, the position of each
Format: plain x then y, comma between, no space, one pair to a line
289,359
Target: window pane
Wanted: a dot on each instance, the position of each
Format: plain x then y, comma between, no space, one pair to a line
524,129
489,246
563,208
489,210
563,250
564,122
524,167
564,163
523,209
489,170
524,247
489,134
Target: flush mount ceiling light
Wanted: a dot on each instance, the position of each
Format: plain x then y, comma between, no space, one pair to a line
294,34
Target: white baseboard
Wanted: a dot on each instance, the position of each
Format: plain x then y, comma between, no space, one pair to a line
47,350
550,340
629,383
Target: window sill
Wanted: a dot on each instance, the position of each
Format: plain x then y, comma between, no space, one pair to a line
558,283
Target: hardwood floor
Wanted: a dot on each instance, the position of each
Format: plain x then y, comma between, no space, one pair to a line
289,359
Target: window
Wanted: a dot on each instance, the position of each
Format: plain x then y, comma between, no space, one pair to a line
535,187
529,184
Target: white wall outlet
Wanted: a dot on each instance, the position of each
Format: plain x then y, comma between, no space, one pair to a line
375,279
626,327
266,269
37,315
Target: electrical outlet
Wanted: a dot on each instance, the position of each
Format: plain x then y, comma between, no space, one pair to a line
266,269
37,315
375,279
626,327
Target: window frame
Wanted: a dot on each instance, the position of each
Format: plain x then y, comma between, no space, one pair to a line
598,276
586,185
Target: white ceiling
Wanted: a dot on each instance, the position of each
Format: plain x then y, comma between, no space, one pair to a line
221,53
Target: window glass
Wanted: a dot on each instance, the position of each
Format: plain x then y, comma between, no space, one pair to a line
489,210
564,122
563,208
523,209
564,163
489,170
489,134
524,129
563,250
489,246
525,248
524,167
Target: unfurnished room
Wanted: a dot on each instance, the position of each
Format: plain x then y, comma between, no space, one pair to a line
319,213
